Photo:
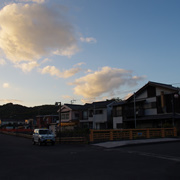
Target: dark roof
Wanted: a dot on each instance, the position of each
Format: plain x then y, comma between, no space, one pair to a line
75,107
120,103
102,104
155,84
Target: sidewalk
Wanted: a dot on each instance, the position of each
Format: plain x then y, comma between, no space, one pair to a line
114,144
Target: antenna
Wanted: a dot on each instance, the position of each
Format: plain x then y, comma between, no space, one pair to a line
72,101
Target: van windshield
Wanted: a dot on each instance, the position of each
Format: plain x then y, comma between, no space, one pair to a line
44,131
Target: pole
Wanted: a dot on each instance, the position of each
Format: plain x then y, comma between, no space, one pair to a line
59,104
94,124
134,111
59,122
173,112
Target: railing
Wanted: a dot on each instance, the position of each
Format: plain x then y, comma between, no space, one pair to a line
112,135
16,130
122,134
82,140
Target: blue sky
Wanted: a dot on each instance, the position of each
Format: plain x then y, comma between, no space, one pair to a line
84,50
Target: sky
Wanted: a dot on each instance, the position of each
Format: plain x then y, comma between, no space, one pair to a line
83,51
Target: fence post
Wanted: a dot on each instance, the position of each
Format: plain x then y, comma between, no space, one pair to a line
163,132
175,131
91,137
147,133
130,134
111,134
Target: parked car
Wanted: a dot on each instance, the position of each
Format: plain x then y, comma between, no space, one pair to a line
43,136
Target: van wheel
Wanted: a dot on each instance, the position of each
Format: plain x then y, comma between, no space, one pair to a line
39,142
33,142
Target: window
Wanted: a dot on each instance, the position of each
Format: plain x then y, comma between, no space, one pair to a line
43,131
76,115
85,115
150,105
117,111
151,91
98,111
91,113
65,116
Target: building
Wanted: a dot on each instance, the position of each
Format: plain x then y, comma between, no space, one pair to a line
154,105
97,115
43,121
71,113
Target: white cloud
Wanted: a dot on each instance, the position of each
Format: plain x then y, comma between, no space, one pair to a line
6,85
67,97
46,60
30,31
88,39
53,71
69,51
79,64
2,62
36,1
4,101
128,95
106,80
89,71
27,67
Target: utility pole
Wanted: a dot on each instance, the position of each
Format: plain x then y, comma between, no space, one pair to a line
59,104
134,111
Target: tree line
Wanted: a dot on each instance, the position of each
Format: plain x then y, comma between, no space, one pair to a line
19,112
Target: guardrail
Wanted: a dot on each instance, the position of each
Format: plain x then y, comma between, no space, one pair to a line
17,134
17,130
58,140
72,140
122,134
111,135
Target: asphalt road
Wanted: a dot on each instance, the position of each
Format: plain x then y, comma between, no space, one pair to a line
20,160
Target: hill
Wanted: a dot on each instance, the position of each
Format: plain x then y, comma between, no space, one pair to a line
19,112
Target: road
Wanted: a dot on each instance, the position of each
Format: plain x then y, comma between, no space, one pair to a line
20,160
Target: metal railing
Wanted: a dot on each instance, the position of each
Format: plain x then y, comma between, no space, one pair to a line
122,134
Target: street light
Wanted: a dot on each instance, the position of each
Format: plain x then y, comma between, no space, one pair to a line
59,104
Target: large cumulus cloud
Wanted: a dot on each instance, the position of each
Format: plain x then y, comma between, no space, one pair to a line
30,31
105,80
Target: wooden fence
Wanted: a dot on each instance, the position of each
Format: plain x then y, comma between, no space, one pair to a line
122,134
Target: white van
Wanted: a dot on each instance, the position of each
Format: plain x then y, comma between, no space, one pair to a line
43,135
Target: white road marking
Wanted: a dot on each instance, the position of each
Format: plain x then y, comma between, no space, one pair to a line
160,156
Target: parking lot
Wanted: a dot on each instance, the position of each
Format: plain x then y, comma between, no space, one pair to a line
22,160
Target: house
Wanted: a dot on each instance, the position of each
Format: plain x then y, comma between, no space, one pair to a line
11,123
71,113
46,120
154,105
97,115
